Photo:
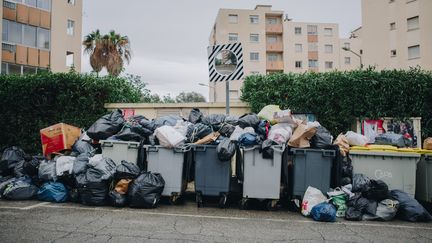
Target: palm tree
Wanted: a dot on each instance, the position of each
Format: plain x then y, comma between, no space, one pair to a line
110,51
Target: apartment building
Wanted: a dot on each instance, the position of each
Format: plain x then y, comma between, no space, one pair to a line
41,34
396,33
273,43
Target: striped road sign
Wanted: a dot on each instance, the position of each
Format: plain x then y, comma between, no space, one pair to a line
217,75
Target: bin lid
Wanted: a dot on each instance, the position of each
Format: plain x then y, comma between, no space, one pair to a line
385,153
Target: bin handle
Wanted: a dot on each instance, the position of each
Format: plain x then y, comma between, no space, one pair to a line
328,153
200,148
248,148
279,148
133,146
299,151
107,144
182,149
152,149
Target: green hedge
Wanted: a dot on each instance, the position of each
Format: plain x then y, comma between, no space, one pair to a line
337,98
31,102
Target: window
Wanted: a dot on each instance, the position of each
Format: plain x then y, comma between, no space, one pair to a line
347,60
272,21
312,29
271,39
328,65
43,38
44,4
13,69
328,31
4,68
393,53
347,45
414,52
32,3
272,57
298,64
69,59
29,35
14,32
413,23
313,63
313,46
70,27
72,2
392,26
254,38
10,5
297,30
328,48
232,37
254,56
5,30
254,19
298,48
233,18
29,70
8,47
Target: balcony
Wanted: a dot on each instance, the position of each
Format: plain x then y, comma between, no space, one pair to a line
275,47
275,65
274,28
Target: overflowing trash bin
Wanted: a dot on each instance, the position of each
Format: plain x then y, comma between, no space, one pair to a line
261,176
120,150
423,190
212,176
173,165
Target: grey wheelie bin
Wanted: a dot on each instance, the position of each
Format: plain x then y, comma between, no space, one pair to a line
261,176
173,165
423,191
212,176
311,167
120,150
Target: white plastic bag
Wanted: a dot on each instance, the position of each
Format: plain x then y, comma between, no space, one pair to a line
311,198
355,139
370,131
238,131
267,113
285,116
64,164
182,127
169,137
280,133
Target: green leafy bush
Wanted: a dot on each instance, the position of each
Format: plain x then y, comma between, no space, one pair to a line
337,98
32,102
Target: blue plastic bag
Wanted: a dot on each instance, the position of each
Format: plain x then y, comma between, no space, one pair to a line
324,212
248,139
53,192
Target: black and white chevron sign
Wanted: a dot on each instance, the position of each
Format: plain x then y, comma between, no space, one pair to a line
238,73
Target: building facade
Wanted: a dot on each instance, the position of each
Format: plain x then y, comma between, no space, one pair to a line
396,33
41,34
273,43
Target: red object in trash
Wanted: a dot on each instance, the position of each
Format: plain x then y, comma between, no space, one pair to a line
128,113
58,137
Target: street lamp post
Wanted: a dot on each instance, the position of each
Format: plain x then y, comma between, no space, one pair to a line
355,53
211,87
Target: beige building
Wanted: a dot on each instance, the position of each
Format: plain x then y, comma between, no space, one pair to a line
273,43
41,34
396,33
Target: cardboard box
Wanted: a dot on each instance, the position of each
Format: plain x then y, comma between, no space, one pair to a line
58,137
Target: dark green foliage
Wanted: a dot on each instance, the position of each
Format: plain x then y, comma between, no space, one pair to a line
30,103
337,98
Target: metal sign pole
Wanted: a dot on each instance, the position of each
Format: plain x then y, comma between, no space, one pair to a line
227,97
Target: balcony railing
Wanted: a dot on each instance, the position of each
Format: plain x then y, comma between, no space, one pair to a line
274,28
277,46
275,65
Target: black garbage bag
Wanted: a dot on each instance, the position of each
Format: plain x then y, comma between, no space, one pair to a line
10,157
387,209
19,169
392,139
103,168
126,170
4,181
409,208
20,189
356,207
145,191
148,125
195,115
80,164
232,120
116,199
226,149
132,130
197,131
126,134
106,126
92,190
31,167
266,149
249,120
322,138
347,168
345,181
226,130
81,146
378,190
214,121
361,183
74,195
170,120
47,170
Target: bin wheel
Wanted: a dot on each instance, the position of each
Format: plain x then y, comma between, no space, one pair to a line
244,203
271,205
223,200
199,200
174,199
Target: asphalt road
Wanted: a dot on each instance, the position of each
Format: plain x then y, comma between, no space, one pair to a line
33,221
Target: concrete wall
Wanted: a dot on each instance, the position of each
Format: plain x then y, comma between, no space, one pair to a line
60,41
152,111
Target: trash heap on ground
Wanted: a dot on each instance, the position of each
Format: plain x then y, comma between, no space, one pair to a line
135,161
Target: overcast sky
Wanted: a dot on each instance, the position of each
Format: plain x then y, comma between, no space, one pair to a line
169,38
